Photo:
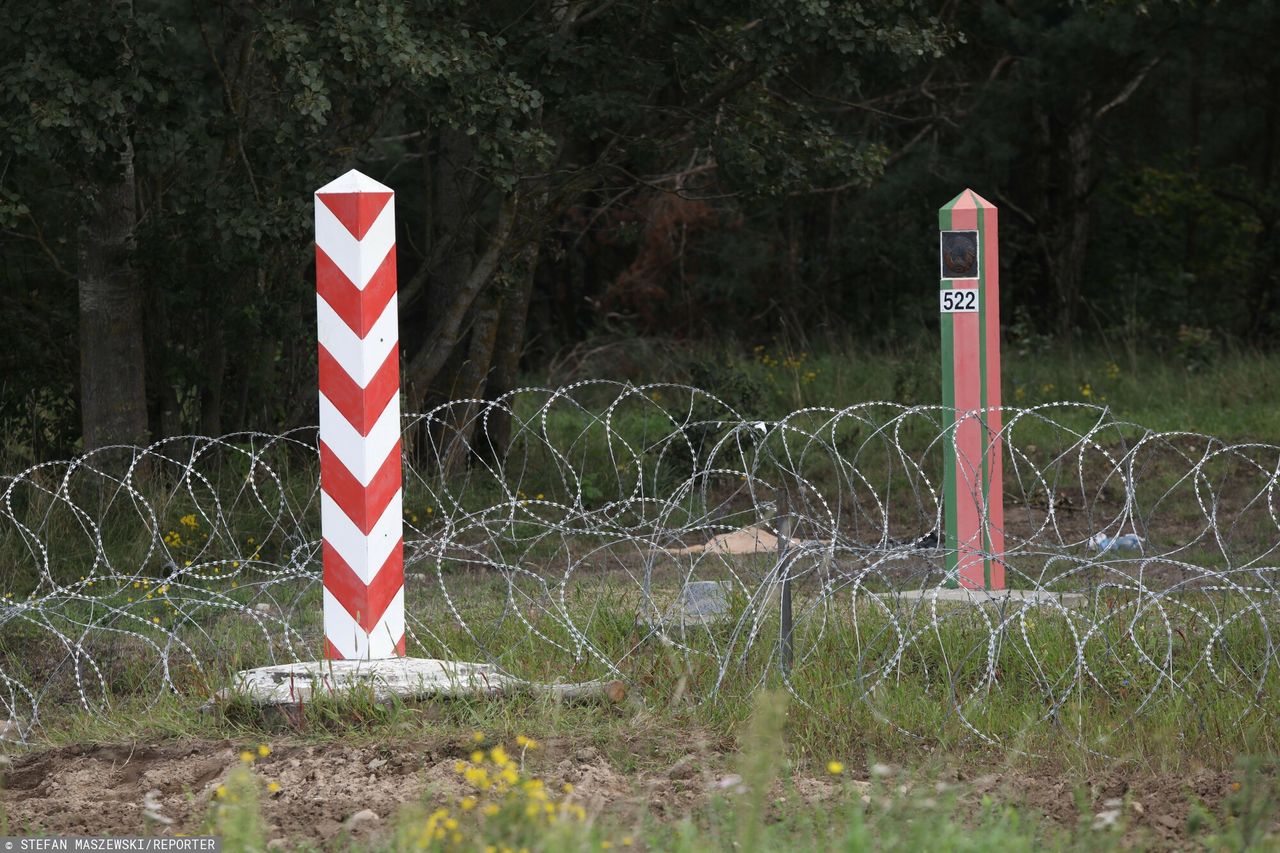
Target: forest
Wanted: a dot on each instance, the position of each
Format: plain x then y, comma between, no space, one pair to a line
575,173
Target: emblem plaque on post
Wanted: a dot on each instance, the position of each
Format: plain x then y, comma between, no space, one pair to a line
958,251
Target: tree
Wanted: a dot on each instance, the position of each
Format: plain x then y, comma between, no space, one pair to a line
597,167
73,104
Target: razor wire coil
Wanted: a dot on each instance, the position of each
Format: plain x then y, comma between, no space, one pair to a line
559,533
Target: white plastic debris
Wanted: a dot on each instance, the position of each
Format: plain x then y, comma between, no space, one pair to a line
1103,543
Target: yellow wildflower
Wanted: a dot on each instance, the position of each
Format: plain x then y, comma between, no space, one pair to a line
835,768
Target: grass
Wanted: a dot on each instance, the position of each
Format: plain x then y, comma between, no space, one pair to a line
754,728
1231,395
1144,700
1141,687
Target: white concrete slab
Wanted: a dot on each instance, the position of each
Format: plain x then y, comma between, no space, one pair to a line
1005,598
290,685
406,678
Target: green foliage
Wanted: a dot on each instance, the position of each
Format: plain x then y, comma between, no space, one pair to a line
237,813
233,114
759,171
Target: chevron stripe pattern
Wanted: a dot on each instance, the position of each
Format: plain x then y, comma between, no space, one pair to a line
360,476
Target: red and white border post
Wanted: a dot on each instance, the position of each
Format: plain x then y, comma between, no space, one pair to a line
360,476
969,299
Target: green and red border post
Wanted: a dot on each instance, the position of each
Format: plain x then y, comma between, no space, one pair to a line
969,301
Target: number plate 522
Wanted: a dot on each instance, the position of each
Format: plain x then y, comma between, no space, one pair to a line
955,301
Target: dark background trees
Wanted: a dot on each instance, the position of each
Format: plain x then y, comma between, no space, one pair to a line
573,169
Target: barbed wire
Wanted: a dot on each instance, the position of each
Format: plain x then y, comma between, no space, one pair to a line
654,533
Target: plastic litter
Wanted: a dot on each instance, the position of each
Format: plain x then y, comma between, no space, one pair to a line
1103,543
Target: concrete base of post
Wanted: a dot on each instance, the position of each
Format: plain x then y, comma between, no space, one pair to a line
391,679
998,598
706,603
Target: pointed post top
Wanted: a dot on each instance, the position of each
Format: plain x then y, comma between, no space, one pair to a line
968,200
353,181
356,199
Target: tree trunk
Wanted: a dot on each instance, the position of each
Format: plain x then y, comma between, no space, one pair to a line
460,428
113,400
1071,243
214,362
1067,244
1195,108
423,370
1264,277
165,416
508,348
437,300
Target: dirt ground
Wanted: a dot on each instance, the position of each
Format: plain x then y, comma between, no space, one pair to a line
92,790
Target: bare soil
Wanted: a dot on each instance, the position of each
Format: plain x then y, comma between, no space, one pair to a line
99,789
